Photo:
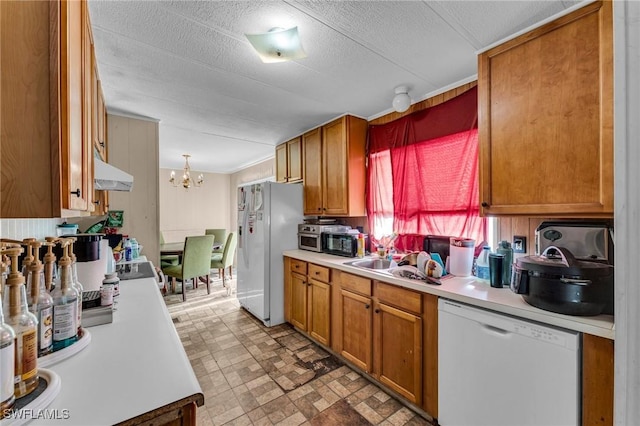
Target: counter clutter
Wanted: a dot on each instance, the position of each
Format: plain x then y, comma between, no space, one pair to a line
41,328
473,291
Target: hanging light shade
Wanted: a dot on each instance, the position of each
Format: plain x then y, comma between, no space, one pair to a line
402,100
277,45
187,181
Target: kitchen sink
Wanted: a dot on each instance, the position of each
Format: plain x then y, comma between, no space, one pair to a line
375,264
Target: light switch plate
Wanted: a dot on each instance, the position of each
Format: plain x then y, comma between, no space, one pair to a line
519,244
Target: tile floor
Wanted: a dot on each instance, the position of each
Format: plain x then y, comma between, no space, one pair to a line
254,375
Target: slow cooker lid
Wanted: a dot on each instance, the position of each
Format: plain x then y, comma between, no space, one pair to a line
560,261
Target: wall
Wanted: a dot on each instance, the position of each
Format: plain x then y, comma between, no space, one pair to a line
133,147
19,229
190,211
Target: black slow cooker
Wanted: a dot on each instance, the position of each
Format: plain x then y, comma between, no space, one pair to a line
555,281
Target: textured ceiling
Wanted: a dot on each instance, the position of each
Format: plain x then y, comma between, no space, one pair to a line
189,65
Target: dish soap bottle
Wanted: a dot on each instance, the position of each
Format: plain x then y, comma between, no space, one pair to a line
40,301
7,353
360,251
65,328
128,250
25,325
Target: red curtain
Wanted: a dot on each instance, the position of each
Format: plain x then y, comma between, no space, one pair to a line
423,175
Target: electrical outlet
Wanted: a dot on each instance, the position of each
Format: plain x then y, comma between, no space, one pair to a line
519,244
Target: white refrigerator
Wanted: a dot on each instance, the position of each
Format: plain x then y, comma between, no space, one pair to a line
268,218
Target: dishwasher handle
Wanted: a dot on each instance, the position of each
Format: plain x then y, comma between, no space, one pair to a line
496,331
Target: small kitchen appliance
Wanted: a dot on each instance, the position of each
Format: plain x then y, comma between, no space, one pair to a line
310,235
587,240
558,282
342,243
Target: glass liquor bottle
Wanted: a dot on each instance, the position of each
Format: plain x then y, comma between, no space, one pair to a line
7,354
65,303
77,285
40,301
25,325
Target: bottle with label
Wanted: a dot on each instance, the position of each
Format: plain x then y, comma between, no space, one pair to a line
25,326
482,263
76,284
65,303
360,250
135,248
504,247
128,250
40,301
7,354
49,263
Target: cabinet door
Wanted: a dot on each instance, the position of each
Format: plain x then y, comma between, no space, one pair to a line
281,163
312,172
294,160
320,311
299,301
545,104
356,329
74,149
398,351
335,190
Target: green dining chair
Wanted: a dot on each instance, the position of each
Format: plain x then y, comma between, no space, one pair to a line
168,259
225,260
196,261
221,237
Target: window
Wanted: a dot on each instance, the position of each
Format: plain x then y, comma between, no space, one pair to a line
423,175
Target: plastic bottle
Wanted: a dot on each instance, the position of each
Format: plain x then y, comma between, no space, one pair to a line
25,326
7,355
65,303
135,248
482,264
78,286
504,247
360,252
40,301
128,250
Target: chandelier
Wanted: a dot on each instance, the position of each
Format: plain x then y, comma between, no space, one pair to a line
187,181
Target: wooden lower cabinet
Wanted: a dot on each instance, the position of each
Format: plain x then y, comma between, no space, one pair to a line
398,349
597,380
356,325
308,299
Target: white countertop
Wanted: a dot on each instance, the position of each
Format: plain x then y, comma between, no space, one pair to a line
472,291
132,366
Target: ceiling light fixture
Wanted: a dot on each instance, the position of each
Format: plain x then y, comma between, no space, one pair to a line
277,45
402,100
187,182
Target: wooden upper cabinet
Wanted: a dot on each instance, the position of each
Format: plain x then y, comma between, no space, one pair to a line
334,168
289,161
47,161
545,103
312,171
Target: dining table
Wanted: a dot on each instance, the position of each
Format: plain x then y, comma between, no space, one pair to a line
177,248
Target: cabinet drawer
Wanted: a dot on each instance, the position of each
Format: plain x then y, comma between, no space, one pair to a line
319,273
299,266
399,297
355,283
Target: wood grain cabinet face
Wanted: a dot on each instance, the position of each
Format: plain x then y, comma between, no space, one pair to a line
334,168
289,161
47,161
357,333
308,299
545,104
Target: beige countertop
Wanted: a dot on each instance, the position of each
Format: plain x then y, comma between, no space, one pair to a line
472,291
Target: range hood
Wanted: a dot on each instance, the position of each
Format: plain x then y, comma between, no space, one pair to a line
109,178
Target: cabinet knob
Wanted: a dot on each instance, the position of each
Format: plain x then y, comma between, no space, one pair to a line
297,266
377,311
317,272
97,202
102,144
319,208
485,204
309,283
367,306
76,192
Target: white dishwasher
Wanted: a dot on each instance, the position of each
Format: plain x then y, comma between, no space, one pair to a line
495,369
